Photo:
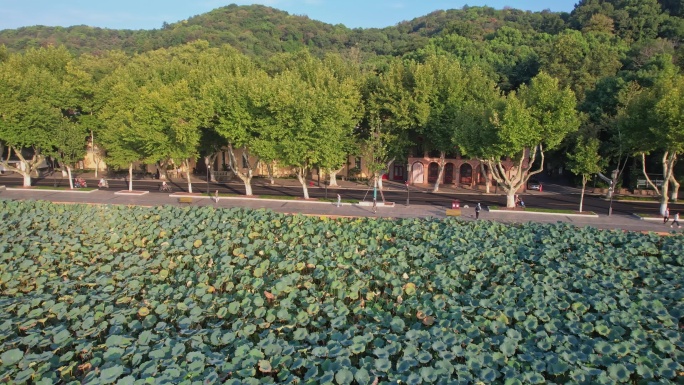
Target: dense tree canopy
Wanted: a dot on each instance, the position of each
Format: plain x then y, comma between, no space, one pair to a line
285,88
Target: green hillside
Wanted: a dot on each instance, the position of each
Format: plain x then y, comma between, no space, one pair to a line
261,31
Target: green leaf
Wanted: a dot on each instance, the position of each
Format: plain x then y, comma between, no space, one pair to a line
665,346
383,365
344,377
11,357
362,377
24,376
265,366
534,378
509,347
488,375
109,375
300,334
618,372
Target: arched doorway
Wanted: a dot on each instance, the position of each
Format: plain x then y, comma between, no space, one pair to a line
449,173
466,172
417,173
433,172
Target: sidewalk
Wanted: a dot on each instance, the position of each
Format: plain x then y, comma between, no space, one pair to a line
622,222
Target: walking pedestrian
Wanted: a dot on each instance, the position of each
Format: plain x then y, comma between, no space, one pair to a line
666,215
675,220
478,208
339,200
216,196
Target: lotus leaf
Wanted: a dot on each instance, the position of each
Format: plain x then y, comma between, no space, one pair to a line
11,357
110,375
575,292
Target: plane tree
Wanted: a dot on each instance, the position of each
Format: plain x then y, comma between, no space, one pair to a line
585,161
84,77
521,126
454,89
654,118
313,111
33,101
120,137
347,69
155,113
68,145
237,92
396,103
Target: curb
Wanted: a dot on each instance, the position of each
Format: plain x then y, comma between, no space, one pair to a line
46,190
203,196
131,193
652,219
542,213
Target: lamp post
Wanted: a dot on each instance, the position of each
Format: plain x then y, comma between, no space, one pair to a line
54,177
614,176
206,162
610,206
408,192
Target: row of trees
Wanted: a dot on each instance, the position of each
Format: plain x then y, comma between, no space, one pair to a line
302,112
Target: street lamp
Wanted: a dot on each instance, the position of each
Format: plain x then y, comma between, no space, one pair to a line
408,192
54,177
206,162
610,206
610,188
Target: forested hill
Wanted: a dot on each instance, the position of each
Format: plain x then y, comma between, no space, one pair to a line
261,31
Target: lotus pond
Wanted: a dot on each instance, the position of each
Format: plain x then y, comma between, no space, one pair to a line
134,295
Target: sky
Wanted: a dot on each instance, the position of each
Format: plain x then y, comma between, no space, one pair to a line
150,14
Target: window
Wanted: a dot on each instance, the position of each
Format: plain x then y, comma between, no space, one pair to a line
245,163
357,162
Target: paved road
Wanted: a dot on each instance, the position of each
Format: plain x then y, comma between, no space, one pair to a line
554,196
422,204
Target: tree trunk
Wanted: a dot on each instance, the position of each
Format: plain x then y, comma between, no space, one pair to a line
187,174
675,188
488,178
161,169
92,151
440,173
71,180
246,178
510,199
269,169
511,183
209,160
333,177
26,167
584,185
301,178
130,177
97,166
379,176
27,179
668,161
664,199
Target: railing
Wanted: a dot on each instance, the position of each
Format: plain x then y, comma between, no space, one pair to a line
643,183
223,176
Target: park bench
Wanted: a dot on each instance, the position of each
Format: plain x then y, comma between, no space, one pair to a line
187,200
